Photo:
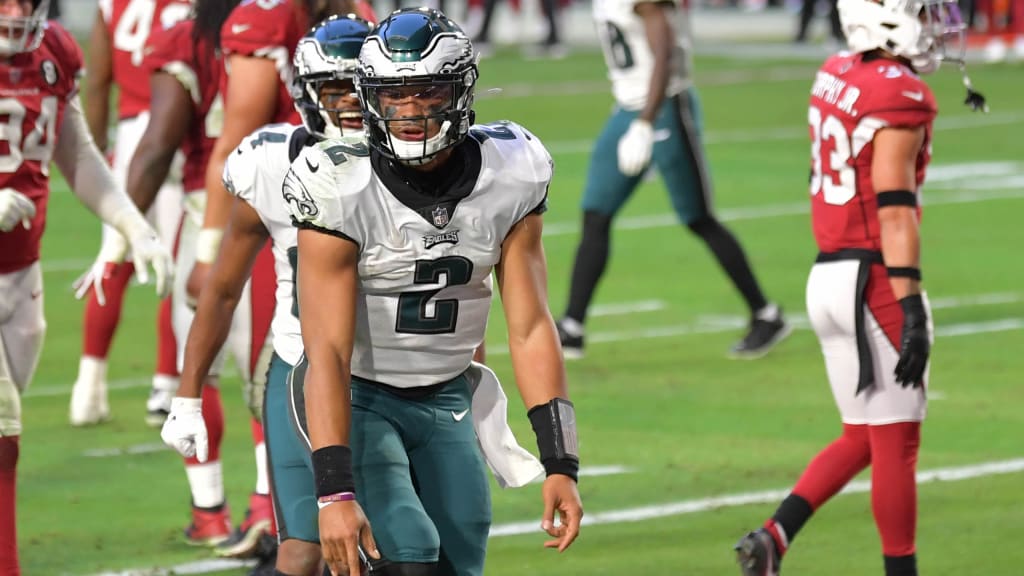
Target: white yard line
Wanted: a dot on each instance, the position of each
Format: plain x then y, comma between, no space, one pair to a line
639,514
619,308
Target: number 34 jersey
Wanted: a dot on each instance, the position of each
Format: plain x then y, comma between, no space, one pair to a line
424,262
851,99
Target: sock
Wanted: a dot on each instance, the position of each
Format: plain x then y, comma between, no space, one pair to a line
571,326
901,565
8,535
731,258
206,482
167,346
893,485
591,259
262,476
769,312
100,322
92,370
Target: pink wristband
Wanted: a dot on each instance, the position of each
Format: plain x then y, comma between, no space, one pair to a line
332,498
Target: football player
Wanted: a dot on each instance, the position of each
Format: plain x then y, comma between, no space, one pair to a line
324,65
185,75
40,65
870,119
116,47
657,119
396,245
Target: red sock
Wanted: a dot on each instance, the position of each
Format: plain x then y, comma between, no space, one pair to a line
100,322
834,466
257,431
8,535
893,485
213,416
166,345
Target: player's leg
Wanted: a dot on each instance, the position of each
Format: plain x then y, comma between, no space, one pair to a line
249,344
385,429
895,414
22,329
211,523
831,306
679,156
606,191
454,486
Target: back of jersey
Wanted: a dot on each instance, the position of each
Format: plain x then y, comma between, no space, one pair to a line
129,25
852,98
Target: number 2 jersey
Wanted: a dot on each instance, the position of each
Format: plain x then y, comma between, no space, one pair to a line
424,261
628,54
36,88
852,98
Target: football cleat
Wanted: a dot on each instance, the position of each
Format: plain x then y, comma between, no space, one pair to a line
572,344
89,403
208,527
247,540
757,555
763,335
158,406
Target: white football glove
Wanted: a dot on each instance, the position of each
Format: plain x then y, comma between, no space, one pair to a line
112,251
147,250
184,430
635,147
15,207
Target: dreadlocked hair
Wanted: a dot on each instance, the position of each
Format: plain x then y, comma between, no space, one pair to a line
318,10
209,18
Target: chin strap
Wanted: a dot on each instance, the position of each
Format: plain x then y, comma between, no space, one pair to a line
974,99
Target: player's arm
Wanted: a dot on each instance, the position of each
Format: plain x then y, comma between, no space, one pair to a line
92,182
661,40
170,115
893,176
98,79
244,237
540,374
250,103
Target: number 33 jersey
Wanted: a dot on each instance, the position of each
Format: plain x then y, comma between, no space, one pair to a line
851,99
424,261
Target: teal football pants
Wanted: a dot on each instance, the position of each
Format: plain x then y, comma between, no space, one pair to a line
678,155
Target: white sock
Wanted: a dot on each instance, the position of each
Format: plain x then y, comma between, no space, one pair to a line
262,478
165,382
207,483
92,370
770,312
571,326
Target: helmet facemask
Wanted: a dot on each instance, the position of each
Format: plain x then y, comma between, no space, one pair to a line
24,33
942,37
329,106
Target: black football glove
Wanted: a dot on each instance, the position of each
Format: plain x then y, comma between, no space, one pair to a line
914,344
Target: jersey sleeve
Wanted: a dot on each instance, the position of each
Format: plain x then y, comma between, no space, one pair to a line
106,8
70,60
900,99
323,186
536,167
253,156
257,28
171,51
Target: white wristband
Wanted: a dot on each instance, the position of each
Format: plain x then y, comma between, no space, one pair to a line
207,244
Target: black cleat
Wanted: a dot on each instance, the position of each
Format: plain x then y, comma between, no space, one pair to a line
757,555
762,336
572,346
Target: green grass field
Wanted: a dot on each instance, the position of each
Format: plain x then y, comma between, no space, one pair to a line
656,394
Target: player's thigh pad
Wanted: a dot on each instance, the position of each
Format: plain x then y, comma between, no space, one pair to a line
22,330
607,189
291,472
679,156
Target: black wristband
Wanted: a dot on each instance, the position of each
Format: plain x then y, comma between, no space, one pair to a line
332,468
896,198
904,272
554,423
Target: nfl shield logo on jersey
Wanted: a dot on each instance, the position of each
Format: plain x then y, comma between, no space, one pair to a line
440,215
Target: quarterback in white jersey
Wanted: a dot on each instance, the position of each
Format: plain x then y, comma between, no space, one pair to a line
657,121
397,241
323,93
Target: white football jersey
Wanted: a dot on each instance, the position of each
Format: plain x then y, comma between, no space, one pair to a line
255,172
424,262
628,53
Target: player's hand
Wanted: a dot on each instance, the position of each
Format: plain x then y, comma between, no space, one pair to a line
914,343
148,251
343,530
560,494
184,430
112,253
196,281
15,207
635,147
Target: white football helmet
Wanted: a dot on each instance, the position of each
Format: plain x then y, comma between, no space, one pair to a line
24,33
421,53
926,32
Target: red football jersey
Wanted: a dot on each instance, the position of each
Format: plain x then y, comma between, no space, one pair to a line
269,29
35,88
851,99
129,25
199,69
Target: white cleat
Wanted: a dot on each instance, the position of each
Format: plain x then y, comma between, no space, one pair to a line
89,394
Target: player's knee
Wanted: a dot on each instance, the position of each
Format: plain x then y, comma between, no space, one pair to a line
10,407
297,557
